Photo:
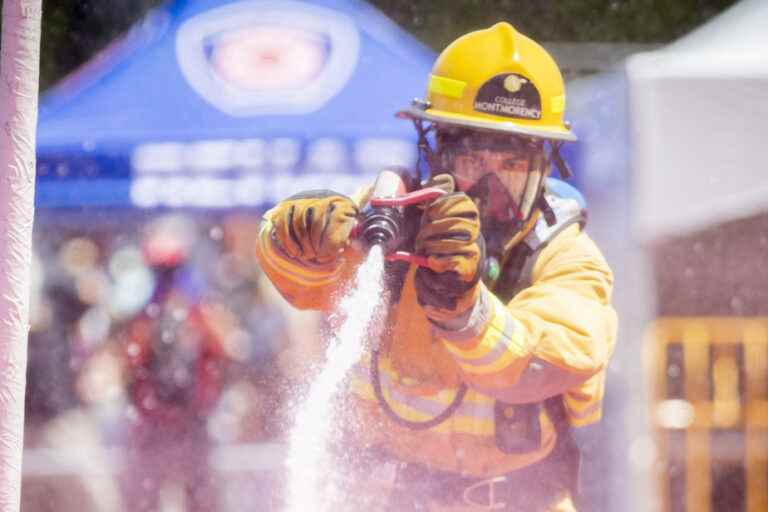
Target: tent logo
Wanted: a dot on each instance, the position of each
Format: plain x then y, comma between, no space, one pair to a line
266,57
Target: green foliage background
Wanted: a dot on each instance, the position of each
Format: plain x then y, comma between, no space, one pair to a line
637,21
74,30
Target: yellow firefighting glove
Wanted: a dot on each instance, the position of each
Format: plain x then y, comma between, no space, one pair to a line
314,226
450,238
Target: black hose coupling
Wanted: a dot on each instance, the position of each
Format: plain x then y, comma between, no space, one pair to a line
382,226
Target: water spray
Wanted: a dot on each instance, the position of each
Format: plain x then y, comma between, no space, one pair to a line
311,467
309,461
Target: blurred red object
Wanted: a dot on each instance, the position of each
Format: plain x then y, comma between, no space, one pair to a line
168,241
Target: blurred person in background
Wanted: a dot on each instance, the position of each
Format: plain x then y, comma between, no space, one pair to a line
99,388
57,414
175,363
495,350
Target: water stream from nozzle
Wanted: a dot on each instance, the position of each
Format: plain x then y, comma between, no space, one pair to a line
310,464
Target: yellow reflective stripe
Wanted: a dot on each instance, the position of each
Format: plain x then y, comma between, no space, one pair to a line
584,405
297,273
578,408
593,417
475,418
497,322
504,336
487,343
583,412
402,410
444,397
465,425
476,399
472,417
558,104
506,359
362,388
446,86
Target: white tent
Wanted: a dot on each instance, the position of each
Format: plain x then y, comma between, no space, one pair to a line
699,125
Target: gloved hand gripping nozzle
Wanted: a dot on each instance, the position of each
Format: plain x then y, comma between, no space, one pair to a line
382,222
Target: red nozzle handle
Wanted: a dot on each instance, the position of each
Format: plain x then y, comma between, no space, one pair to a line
421,261
423,195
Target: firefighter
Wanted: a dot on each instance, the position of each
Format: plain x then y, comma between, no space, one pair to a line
175,366
495,351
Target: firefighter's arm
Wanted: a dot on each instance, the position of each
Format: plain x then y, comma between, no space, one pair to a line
555,336
304,246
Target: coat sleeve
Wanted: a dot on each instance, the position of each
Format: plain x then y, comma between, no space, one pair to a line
554,337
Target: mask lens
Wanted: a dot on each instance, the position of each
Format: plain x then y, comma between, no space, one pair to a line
493,199
496,168
461,141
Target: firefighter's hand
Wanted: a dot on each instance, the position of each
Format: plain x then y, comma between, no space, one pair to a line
450,238
314,226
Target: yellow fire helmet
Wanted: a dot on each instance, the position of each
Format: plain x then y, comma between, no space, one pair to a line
496,79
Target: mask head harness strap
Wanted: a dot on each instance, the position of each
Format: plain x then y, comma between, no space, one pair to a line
557,159
565,173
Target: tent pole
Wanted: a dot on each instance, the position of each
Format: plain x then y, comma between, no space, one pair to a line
19,77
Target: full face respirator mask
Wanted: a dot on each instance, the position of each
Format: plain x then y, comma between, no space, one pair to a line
503,174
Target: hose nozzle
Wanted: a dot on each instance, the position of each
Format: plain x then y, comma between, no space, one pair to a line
382,223
382,226
383,219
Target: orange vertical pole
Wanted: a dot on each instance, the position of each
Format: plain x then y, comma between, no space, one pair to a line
755,341
697,453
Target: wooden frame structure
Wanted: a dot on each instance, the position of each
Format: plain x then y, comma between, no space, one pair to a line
709,379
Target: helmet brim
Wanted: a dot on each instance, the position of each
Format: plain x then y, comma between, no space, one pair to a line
439,116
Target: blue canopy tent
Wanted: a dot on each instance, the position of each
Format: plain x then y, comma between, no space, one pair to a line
222,103
596,106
